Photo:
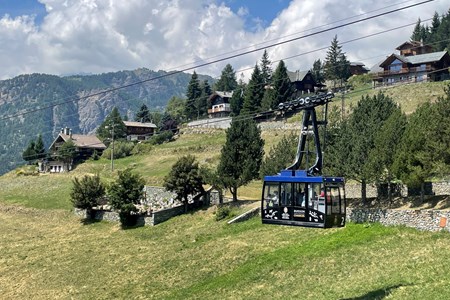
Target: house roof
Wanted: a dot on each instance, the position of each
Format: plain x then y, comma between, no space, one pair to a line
415,59
224,94
356,63
81,141
297,75
424,58
139,124
410,43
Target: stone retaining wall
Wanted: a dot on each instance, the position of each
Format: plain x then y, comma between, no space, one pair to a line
429,220
353,190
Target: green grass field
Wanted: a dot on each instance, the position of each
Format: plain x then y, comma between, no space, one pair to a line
50,254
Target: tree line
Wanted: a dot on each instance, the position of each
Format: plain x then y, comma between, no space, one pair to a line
437,35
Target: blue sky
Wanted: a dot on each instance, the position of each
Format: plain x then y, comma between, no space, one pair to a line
259,12
96,36
17,8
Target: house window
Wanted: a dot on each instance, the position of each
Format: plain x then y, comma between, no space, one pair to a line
395,66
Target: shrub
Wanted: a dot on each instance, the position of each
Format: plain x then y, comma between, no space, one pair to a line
142,148
222,212
161,137
121,149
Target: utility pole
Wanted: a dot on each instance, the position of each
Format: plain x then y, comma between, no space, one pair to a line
112,145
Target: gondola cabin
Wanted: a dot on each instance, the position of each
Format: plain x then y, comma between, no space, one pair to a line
294,198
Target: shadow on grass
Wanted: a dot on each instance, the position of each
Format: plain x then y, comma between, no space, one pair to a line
89,221
377,294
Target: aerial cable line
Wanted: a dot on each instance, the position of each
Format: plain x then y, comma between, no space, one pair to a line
218,60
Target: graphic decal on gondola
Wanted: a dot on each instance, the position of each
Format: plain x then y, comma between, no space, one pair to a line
270,214
285,214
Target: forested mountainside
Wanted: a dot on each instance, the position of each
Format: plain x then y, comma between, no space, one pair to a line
43,104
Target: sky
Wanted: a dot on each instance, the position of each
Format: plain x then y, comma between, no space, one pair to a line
65,37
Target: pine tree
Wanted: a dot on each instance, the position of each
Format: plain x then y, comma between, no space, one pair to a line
29,153
227,81
113,122
237,99
143,115
281,89
39,147
416,35
266,70
317,71
337,67
193,93
185,179
241,156
280,156
202,103
254,93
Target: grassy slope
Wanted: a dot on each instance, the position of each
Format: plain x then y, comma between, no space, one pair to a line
50,254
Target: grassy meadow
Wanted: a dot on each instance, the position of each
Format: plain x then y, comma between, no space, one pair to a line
49,253
52,254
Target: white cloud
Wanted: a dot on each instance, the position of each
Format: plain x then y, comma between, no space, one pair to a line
102,35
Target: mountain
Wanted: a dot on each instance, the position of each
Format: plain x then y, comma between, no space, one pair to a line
43,104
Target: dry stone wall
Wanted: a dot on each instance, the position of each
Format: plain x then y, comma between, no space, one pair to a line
429,220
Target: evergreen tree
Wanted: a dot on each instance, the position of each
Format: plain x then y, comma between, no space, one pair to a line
237,99
39,148
365,122
143,115
86,193
280,156
29,153
254,93
337,67
386,142
227,81
416,158
185,179
124,193
113,122
241,156
266,70
281,89
202,103
175,108
417,32
317,71
193,93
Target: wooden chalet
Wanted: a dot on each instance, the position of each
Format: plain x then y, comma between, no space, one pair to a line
85,146
137,131
358,68
415,63
220,104
303,82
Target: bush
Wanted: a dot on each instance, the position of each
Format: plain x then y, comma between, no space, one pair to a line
223,212
121,149
142,148
161,137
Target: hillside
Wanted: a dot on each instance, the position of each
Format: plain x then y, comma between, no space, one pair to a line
41,92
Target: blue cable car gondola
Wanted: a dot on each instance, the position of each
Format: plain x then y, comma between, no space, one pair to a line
305,197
